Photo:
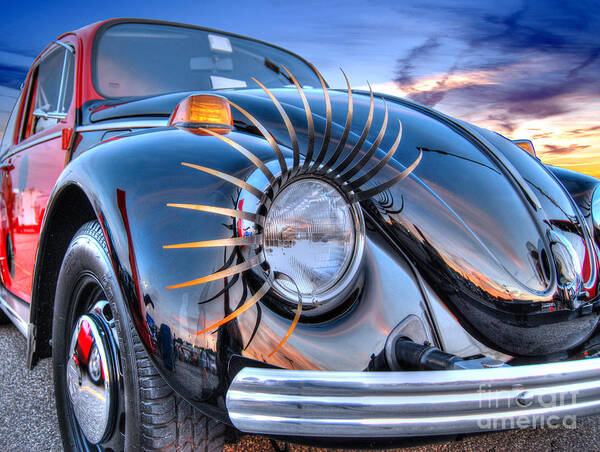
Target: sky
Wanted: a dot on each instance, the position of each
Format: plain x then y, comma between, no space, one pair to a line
526,69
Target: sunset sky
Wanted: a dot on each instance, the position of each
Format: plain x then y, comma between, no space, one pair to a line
527,69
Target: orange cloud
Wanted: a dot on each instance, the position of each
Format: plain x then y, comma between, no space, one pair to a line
437,82
568,137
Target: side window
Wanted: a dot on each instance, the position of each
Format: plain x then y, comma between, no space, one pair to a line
50,92
8,137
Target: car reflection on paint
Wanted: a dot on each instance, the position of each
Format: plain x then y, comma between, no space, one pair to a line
87,354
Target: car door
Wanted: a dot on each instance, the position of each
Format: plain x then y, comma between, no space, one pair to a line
33,158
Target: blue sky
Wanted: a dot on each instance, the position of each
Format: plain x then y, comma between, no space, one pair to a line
528,69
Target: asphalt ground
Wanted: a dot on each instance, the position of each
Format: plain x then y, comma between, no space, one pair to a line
28,419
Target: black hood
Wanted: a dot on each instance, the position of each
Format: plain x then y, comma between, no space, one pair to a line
486,225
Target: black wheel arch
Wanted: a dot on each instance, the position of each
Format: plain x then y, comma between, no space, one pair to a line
68,210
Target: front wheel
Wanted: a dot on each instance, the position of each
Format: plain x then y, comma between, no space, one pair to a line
109,396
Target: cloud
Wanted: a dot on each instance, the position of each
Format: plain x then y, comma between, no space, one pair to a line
592,58
533,55
543,135
551,26
561,150
516,32
407,64
527,70
432,90
502,121
515,73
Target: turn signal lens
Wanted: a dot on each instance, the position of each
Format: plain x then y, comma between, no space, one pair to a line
526,145
203,111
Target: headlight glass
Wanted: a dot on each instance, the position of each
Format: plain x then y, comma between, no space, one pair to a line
310,235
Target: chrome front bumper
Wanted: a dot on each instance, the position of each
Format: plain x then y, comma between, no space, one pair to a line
401,404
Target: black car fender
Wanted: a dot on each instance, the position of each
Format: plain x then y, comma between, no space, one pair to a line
126,184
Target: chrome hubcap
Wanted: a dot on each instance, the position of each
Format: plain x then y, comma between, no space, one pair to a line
91,376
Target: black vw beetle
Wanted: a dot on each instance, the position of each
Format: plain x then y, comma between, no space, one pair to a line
230,245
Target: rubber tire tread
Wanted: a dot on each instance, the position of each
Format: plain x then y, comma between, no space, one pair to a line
165,421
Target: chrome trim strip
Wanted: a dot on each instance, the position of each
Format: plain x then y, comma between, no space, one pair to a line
22,147
123,125
13,316
67,46
400,404
91,128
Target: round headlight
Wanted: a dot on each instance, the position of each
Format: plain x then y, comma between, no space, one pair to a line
312,235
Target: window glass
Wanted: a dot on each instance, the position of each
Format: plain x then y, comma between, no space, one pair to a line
54,88
135,60
49,77
9,132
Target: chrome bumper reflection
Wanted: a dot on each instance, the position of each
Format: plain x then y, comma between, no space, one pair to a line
398,404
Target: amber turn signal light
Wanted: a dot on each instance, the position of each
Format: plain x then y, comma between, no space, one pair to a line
203,111
526,145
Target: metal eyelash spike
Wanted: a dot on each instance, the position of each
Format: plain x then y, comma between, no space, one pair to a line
247,305
346,133
328,122
309,121
366,194
365,158
290,330
256,325
373,171
239,268
288,125
266,134
258,219
226,177
358,146
233,241
245,152
344,174
283,276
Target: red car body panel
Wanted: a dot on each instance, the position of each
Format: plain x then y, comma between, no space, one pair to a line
35,166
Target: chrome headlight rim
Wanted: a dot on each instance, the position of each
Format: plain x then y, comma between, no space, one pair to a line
336,293
342,294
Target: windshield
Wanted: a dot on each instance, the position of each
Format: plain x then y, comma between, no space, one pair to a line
138,59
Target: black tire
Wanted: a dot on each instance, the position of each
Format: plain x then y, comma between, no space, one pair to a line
155,418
